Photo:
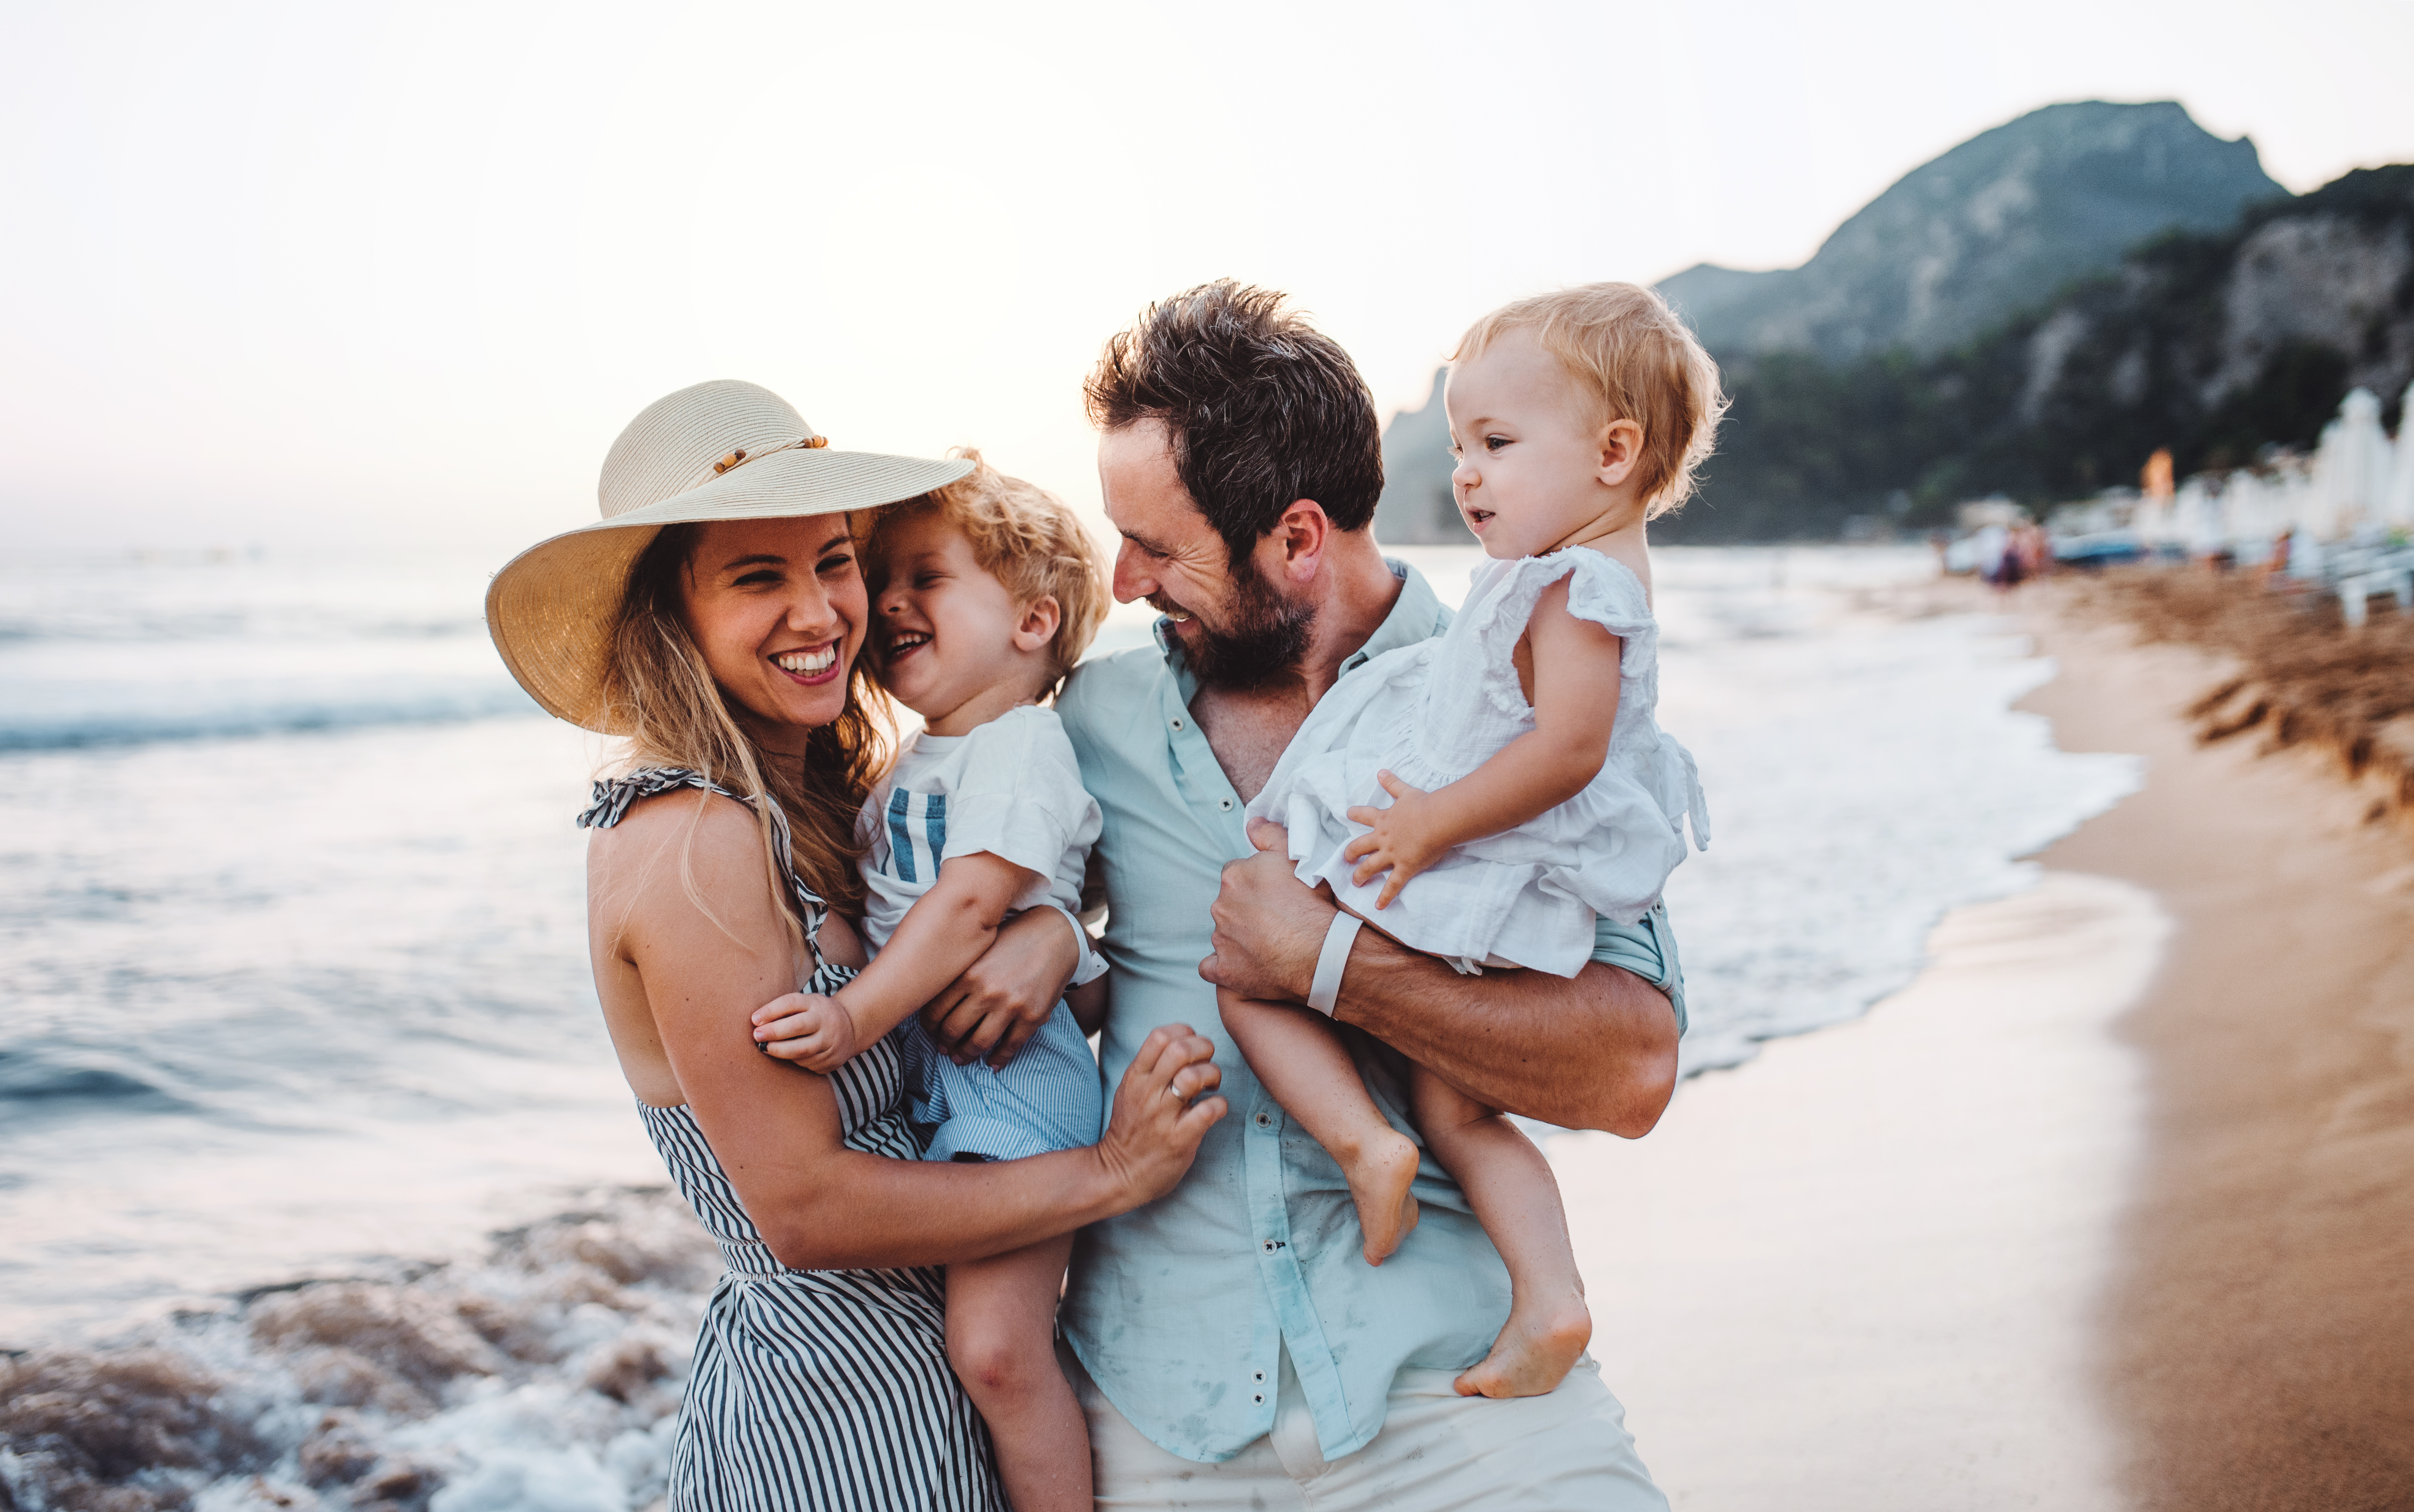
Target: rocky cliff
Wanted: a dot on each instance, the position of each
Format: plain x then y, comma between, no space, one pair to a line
1958,248
2218,346
1997,225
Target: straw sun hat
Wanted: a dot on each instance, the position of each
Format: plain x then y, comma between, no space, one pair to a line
722,450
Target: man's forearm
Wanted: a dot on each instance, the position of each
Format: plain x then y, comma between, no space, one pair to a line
1595,1052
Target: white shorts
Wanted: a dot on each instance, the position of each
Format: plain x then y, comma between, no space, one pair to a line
1566,1452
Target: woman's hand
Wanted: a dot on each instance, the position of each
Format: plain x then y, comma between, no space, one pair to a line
1401,839
816,1032
1004,998
1160,1113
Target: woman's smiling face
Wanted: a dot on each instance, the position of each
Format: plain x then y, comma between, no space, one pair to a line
776,606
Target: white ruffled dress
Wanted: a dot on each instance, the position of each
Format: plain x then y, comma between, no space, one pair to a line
1433,713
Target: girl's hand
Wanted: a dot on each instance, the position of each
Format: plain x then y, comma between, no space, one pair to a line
814,1031
1161,1113
1402,839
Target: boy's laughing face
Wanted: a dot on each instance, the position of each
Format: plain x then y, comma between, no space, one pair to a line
947,638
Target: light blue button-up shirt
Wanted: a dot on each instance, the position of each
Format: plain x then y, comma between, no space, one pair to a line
1180,1310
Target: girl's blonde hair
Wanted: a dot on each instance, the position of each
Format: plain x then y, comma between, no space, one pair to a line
659,690
1026,538
1631,358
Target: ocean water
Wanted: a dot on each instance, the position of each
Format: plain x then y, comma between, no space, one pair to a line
315,1172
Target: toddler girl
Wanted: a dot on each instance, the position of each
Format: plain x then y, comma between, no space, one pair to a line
984,595
1530,788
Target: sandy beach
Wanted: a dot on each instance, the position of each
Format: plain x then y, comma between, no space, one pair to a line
2112,1207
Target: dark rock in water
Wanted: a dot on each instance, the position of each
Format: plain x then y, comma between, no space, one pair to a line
1993,227
108,1433
1417,508
419,1339
563,1352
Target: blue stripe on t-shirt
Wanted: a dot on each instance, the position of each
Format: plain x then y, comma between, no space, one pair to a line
900,843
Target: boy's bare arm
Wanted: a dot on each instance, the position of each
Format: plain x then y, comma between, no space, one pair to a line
1595,1052
947,930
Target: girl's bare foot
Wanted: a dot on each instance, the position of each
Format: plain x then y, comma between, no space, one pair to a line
1535,1350
1379,1171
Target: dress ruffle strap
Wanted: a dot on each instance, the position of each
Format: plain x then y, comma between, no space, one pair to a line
614,795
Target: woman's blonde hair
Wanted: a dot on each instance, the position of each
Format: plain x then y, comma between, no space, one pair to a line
1026,538
660,690
1631,358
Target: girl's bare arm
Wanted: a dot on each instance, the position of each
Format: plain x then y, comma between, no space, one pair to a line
1574,691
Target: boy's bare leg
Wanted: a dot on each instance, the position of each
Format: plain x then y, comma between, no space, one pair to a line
1002,1341
1516,1199
1302,1062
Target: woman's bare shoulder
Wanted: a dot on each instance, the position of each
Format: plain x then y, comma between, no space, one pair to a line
716,832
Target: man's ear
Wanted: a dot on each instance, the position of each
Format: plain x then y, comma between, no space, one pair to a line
1621,450
1303,533
1037,626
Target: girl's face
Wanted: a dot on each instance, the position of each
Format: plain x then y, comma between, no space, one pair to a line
778,608
1533,474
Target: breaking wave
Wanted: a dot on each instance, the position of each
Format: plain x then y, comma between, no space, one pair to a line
546,1375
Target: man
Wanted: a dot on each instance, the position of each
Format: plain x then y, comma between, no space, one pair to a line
1238,1350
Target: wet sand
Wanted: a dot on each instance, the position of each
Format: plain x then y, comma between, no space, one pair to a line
2258,1341
2112,1207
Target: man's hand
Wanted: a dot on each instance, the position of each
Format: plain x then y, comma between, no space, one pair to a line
1004,997
1269,925
816,1032
1402,839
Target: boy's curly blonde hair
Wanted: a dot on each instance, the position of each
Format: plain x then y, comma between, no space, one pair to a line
1026,538
1631,358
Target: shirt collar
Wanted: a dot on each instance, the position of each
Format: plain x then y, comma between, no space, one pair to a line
1416,615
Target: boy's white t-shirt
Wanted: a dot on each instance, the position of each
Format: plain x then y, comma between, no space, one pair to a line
1012,788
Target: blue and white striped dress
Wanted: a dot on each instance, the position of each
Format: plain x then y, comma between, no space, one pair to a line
812,1389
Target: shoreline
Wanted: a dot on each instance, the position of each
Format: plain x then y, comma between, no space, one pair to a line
2112,1207
2258,1339
1859,1272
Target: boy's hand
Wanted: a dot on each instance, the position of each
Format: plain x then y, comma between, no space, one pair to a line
816,1032
1401,839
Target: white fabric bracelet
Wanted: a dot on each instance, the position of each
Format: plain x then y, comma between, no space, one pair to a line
1325,990
1091,966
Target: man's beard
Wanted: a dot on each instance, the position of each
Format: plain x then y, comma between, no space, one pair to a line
1264,642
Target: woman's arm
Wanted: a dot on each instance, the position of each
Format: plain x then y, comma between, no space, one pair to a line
775,1129
1575,681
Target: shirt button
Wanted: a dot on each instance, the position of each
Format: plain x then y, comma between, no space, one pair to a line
1177,722
1226,804
1260,1398
1269,1247
1266,1120
1259,1376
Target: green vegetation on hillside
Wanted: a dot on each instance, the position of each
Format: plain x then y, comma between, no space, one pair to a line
2217,346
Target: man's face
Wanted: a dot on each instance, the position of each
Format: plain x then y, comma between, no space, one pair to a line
1236,627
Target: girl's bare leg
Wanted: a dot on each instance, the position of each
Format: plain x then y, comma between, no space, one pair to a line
1305,1065
1516,1199
1001,1340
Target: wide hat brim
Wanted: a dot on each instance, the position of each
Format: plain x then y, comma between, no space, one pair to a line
552,607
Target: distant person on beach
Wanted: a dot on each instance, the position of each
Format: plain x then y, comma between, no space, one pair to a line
1530,789
984,593
1230,1343
1992,552
714,620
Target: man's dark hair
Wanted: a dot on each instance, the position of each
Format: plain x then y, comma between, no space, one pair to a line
1259,407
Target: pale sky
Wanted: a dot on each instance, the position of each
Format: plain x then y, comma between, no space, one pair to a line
308,274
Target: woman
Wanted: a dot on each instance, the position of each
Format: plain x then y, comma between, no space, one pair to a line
713,617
